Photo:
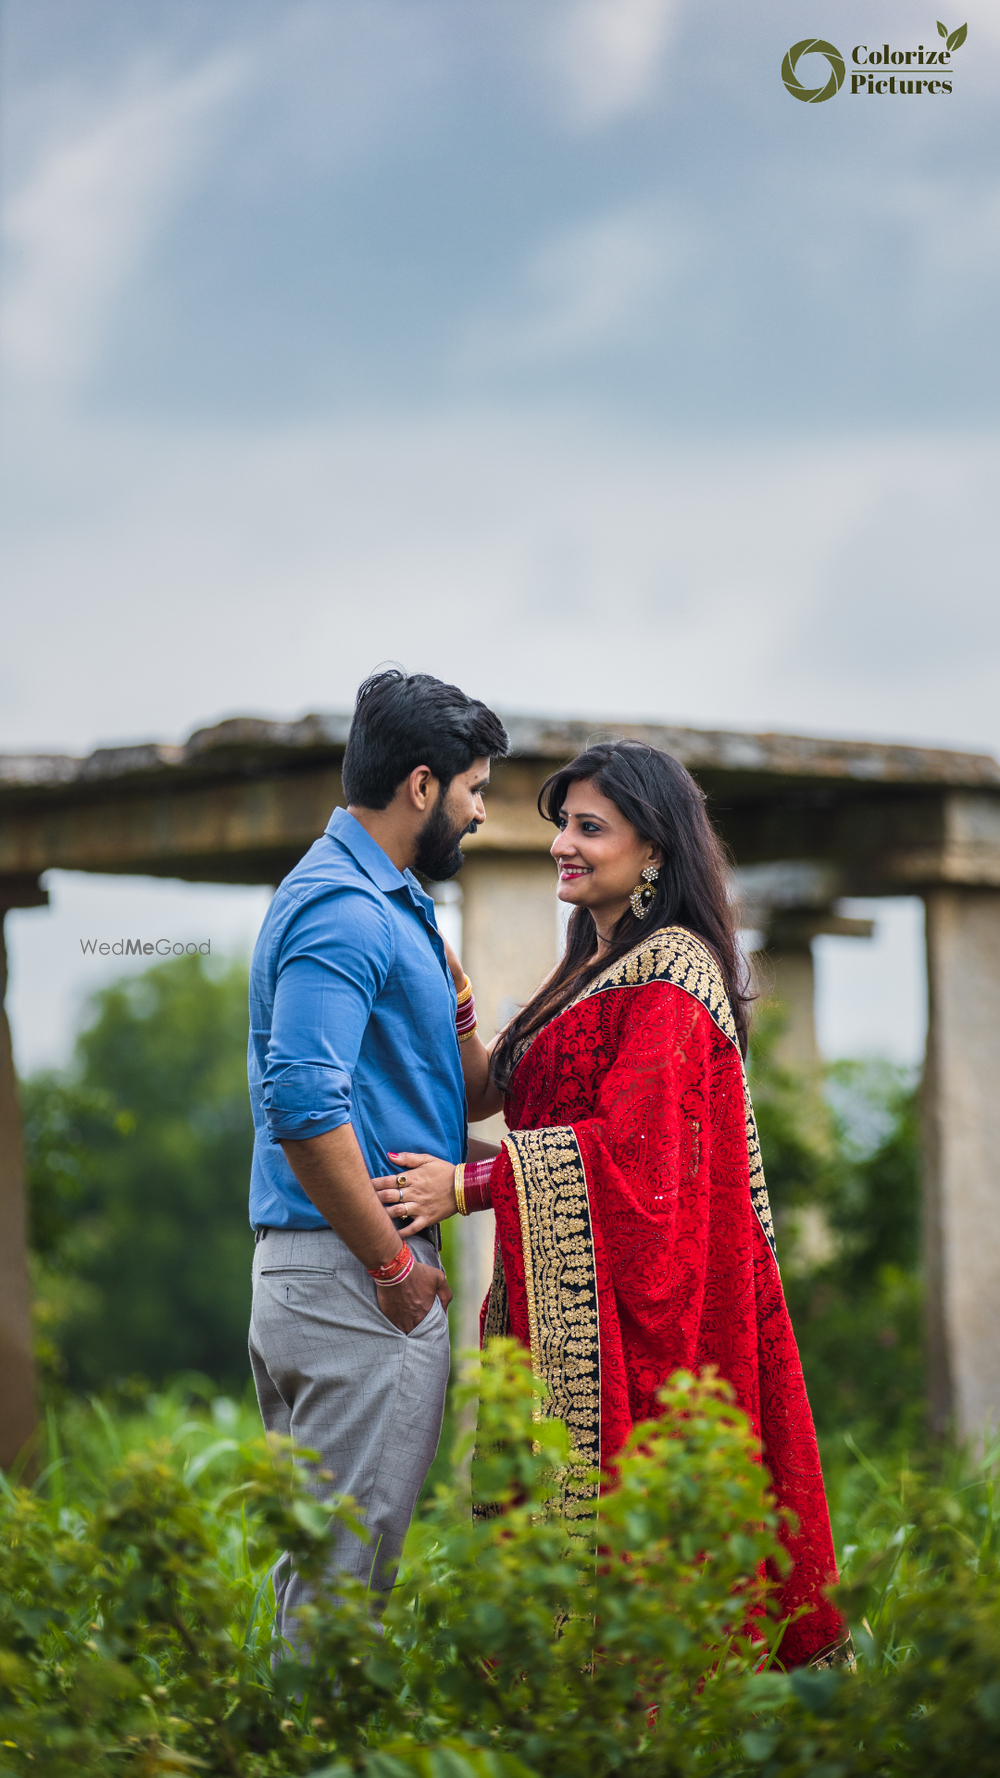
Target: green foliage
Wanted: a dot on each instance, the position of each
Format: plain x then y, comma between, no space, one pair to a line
65,1126
138,1165
136,1619
136,1633
510,1630
923,1589
843,1172
130,1637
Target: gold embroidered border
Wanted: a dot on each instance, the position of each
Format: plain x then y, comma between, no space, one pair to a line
758,1185
497,1323
557,1240
837,1654
671,955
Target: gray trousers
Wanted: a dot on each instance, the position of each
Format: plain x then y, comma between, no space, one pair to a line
336,1376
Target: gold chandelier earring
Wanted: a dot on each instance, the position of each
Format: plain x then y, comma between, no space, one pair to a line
641,898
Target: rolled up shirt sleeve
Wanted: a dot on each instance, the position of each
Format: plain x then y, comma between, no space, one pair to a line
334,960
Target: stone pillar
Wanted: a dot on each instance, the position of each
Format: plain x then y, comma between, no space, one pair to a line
790,978
17,1371
509,943
793,985
509,929
962,1159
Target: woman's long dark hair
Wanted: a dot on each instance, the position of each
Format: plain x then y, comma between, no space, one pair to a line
665,806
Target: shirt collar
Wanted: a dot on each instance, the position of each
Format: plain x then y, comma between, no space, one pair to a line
349,833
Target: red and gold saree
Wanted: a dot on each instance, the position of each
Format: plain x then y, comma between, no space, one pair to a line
634,1236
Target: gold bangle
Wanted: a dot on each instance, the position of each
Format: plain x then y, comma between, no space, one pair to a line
465,993
464,1038
460,1189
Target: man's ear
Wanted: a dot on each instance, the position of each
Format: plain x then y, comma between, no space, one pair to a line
419,788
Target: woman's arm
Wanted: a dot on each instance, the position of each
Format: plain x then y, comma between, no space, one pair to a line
481,1151
481,1095
427,1190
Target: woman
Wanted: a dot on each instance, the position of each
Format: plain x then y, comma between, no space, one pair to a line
634,1236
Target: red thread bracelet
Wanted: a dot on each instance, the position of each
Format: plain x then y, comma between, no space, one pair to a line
395,1270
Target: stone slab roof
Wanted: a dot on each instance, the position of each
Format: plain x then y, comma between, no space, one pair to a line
248,746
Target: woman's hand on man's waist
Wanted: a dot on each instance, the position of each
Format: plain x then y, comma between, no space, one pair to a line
423,1190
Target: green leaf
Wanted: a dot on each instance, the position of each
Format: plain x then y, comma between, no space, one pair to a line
447,1762
389,1765
988,1702
759,1744
449,1759
311,1516
199,1464
815,1687
958,37
942,29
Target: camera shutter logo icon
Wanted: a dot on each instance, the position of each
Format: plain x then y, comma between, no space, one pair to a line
813,95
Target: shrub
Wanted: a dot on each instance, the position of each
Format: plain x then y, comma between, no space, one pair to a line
136,1624
644,1630
926,1701
136,1636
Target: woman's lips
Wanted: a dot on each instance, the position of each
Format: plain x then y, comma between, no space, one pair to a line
568,871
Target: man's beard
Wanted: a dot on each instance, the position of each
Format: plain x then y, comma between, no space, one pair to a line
439,853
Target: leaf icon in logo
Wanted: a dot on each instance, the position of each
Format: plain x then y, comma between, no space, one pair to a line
942,29
958,37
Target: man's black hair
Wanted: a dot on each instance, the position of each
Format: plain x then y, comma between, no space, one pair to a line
402,721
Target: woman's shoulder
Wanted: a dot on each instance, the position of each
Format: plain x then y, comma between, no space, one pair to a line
677,957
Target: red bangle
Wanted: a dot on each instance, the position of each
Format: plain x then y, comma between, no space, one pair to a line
476,1193
465,1017
396,1269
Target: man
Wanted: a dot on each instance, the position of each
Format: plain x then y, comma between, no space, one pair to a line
353,1056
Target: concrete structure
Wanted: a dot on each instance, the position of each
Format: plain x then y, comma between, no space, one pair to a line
807,820
789,904
17,1375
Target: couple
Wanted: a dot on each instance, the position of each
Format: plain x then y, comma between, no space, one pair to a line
633,1231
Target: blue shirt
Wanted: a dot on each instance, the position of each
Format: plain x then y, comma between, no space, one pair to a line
352,1020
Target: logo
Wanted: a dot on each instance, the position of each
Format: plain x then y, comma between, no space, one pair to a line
813,95
876,71
953,39
138,947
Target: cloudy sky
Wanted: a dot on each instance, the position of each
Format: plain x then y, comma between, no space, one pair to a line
548,345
